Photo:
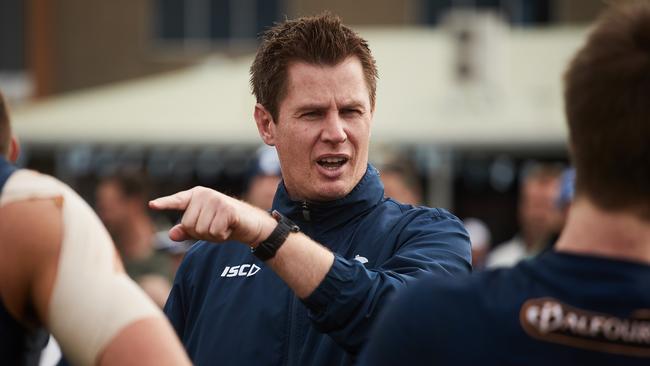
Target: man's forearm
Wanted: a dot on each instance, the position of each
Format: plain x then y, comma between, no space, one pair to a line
302,264
213,216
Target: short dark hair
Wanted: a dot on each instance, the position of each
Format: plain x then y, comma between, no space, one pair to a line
607,87
319,40
5,127
540,171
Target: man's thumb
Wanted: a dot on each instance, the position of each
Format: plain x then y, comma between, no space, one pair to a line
178,234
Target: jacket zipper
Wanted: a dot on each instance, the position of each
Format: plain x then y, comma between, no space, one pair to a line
292,357
288,360
305,211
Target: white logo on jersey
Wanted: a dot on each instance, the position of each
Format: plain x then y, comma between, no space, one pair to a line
362,260
243,270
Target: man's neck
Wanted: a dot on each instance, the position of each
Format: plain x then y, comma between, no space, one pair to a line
593,231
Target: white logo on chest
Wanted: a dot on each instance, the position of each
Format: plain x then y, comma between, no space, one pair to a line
361,259
243,270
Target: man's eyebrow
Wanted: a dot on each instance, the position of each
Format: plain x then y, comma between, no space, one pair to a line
315,107
311,107
352,105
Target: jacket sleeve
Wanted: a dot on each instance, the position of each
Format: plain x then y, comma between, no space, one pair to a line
349,299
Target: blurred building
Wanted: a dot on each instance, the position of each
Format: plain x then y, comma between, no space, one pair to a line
53,46
469,90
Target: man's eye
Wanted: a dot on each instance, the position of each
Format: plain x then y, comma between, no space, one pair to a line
351,112
311,115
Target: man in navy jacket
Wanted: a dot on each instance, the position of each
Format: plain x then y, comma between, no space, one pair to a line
588,301
271,294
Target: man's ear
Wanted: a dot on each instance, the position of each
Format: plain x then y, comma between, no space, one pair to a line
265,124
14,149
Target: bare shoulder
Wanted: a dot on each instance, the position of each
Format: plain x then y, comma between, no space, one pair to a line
31,228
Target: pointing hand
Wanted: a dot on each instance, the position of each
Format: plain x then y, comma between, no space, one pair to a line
212,216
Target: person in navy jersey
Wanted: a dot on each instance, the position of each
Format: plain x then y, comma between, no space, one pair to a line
335,250
588,301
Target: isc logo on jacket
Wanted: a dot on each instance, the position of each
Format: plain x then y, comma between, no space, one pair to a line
242,270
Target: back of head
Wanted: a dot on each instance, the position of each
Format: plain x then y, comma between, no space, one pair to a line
319,40
5,127
607,91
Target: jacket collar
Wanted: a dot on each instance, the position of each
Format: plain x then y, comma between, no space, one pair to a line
365,195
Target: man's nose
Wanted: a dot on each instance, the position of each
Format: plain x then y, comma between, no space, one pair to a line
334,129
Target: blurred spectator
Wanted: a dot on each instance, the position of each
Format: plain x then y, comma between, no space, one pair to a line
121,202
401,181
481,238
567,188
176,250
263,178
540,218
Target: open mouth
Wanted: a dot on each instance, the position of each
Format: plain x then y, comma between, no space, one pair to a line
332,163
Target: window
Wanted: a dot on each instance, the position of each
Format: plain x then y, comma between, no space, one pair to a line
214,22
13,57
517,12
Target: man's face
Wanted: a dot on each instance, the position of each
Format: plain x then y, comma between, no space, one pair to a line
323,130
538,211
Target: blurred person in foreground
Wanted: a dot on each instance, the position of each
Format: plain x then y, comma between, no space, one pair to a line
263,178
174,249
588,301
272,295
540,217
60,273
121,203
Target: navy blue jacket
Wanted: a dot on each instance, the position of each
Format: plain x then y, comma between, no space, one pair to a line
557,309
228,308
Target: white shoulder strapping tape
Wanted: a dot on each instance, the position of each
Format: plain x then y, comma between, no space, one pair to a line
90,302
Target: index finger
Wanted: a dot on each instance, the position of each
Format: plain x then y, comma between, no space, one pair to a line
176,201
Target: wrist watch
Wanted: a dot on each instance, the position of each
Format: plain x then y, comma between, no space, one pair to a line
267,248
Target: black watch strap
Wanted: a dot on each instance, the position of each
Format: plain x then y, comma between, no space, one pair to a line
267,249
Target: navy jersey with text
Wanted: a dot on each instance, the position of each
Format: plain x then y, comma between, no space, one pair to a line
557,309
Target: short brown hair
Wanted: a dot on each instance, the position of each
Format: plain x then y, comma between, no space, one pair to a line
607,91
319,40
5,127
